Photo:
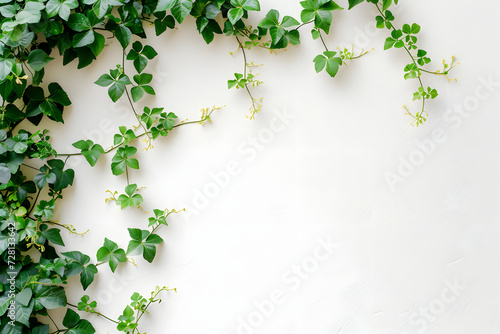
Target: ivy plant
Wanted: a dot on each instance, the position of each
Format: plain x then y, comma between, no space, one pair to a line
34,271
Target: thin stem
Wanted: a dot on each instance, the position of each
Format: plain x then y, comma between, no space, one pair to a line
411,56
34,202
12,127
129,99
303,24
430,72
111,149
25,165
69,154
244,57
106,317
360,55
190,122
48,315
97,313
24,64
105,152
323,41
255,106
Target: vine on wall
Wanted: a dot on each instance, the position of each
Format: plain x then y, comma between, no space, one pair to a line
34,176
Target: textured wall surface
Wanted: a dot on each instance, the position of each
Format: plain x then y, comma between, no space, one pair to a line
329,213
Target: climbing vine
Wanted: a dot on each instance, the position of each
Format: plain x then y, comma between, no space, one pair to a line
33,175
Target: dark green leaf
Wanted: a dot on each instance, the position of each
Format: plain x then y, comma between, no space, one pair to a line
37,59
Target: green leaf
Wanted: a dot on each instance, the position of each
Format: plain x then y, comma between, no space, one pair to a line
389,43
201,23
252,5
211,11
415,29
75,325
61,7
44,209
163,5
111,253
293,36
5,174
182,9
315,33
31,13
125,136
44,177
83,39
87,275
386,4
271,19
83,327
50,297
277,34
24,296
235,14
353,3
319,63
143,78
79,22
105,80
128,312
169,121
137,93
15,329
6,65
129,199
22,313
64,178
37,59
54,236
140,63
98,45
78,266
330,6
118,87
122,158
150,116
143,243
289,21
307,15
77,257
58,95
246,4
44,329
130,189
90,151
123,34
149,52
328,60
71,318
323,20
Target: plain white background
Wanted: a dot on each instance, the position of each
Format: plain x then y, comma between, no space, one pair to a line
419,255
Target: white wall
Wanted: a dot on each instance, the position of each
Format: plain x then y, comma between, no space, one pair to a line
320,181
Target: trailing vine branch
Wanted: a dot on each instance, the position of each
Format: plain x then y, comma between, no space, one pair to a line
419,117
323,41
406,38
202,120
245,81
32,31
